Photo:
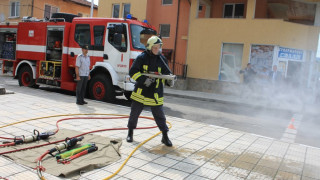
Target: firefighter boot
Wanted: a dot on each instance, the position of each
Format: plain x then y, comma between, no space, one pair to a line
165,139
130,135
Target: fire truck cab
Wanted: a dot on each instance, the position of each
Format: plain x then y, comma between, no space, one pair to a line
45,52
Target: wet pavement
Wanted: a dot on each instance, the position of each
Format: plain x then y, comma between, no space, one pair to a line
200,151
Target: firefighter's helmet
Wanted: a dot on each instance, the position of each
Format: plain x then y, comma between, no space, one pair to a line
152,41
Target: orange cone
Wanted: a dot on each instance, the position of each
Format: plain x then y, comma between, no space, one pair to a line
291,126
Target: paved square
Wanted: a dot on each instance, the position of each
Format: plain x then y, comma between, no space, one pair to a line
200,151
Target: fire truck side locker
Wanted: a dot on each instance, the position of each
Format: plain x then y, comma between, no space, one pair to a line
50,69
8,37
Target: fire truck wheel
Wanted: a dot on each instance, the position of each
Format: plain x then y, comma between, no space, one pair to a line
25,77
101,88
127,94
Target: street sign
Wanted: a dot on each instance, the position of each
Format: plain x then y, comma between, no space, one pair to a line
290,54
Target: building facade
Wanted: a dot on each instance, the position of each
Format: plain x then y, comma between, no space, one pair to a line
232,33
170,17
15,10
217,38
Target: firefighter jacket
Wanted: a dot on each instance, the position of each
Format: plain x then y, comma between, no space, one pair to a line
147,62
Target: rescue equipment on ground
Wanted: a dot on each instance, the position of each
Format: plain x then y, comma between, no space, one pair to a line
40,168
73,151
67,144
76,153
27,139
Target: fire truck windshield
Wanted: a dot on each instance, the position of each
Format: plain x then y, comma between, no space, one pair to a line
140,36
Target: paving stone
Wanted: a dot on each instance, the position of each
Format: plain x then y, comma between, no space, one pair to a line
174,174
287,176
10,169
292,166
24,175
153,168
139,174
207,173
186,167
165,161
243,165
194,177
311,171
224,176
250,157
270,161
238,172
264,172
96,174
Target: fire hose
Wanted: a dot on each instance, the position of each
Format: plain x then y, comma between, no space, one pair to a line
39,166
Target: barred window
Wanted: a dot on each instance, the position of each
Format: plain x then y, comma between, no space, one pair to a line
166,2
165,30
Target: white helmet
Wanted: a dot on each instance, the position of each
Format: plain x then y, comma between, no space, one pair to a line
152,41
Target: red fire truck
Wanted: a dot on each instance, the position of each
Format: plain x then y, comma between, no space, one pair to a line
44,52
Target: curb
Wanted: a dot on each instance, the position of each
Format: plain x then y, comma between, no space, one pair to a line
228,102
2,90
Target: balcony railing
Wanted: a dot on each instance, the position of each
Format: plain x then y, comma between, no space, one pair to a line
179,69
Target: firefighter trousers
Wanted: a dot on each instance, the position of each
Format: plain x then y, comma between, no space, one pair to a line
157,112
81,88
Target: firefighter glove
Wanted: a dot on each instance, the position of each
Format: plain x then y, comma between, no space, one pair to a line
148,81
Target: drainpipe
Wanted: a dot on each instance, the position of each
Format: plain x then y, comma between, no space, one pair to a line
91,10
175,40
32,8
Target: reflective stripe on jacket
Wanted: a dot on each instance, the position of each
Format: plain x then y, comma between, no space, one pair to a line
145,63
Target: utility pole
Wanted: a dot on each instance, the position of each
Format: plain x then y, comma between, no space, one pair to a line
91,12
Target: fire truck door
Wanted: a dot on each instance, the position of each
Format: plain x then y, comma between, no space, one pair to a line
82,37
117,48
98,45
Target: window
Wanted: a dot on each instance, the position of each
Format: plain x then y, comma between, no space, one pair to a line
114,38
200,8
165,30
140,36
261,56
15,9
98,35
233,11
49,10
115,10
231,60
126,10
82,34
166,2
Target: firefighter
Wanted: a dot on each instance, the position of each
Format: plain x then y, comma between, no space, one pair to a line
82,74
149,91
